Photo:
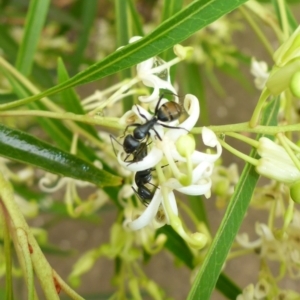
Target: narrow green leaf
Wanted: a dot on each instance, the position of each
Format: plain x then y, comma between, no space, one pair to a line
197,15
60,134
10,48
5,98
291,19
22,147
177,246
197,206
208,275
227,287
88,13
34,23
137,25
170,8
193,83
69,98
123,29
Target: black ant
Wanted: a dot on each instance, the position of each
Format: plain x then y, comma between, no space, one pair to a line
168,112
133,147
132,144
141,178
139,154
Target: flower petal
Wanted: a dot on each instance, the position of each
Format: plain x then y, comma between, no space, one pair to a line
172,202
156,83
196,189
201,188
203,170
191,104
153,157
147,216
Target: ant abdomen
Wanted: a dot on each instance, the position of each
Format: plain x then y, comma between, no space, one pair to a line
169,111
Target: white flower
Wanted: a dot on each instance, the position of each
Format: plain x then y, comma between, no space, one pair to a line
157,81
259,69
275,163
154,73
194,180
167,145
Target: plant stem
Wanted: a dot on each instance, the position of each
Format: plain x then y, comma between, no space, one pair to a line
244,127
284,20
40,264
257,30
239,154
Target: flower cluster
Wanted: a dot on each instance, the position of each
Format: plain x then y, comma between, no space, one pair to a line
171,154
274,245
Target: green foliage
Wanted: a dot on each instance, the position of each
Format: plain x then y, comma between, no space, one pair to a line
49,49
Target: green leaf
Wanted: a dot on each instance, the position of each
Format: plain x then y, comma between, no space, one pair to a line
137,25
69,98
22,147
208,275
193,84
228,288
177,245
33,27
198,208
174,30
10,48
88,13
291,19
170,8
123,33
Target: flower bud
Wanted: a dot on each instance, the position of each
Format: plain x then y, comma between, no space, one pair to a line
280,78
295,192
275,163
295,84
289,50
183,52
186,145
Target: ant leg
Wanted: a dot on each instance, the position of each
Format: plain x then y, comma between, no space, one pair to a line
172,127
125,160
153,185
157,134
158,102
142,115
111,140
131,125
146,203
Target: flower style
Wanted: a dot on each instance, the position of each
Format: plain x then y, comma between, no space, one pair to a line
176,146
